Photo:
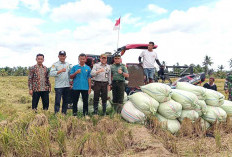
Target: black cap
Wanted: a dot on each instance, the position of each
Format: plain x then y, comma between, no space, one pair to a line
117,56
62,53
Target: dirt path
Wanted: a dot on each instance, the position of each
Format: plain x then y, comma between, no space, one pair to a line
144,144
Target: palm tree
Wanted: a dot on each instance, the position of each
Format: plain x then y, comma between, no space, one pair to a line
198,69
230,63
220,67
207,62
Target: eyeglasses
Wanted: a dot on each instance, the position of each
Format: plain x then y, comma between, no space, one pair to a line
103,57
117,58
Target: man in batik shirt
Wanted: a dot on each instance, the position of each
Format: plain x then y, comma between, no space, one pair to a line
38,83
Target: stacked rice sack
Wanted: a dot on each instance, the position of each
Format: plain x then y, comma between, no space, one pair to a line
139,105
209,102
172,106
155,99
169,110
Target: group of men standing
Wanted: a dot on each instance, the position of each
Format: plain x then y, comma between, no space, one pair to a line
78,79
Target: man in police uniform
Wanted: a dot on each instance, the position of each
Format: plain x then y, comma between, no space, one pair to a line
119,73
60,70
102,76
228,85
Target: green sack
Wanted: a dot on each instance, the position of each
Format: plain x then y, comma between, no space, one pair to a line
203,107
171,125
198,90
190,114
227,106
188,100
132,114
214,98
215,114
159,91
144,102
170,109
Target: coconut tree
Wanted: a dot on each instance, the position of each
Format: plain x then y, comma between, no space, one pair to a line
230,63
221,67
206,63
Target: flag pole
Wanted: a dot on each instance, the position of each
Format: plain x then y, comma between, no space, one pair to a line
118,33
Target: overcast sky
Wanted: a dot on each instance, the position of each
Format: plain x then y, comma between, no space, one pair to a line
184,30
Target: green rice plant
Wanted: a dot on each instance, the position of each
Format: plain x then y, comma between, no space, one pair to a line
218,140
79,144
61,137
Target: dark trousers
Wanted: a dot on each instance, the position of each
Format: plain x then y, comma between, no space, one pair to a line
118,88
85,96
61,92
45,99
100,90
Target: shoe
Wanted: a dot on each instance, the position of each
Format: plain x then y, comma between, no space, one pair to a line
74,114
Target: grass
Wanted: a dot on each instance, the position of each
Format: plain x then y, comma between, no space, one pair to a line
25,133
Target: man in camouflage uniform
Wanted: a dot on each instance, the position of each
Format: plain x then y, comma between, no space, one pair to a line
119,73
228,85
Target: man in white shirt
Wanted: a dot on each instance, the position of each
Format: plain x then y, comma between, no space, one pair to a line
149,57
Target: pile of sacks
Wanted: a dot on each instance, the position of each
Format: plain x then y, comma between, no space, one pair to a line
91,102
172,106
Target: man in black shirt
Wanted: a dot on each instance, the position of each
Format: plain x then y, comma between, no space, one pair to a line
210,84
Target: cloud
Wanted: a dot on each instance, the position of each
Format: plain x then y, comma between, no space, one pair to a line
156,9
8,4
128,19
184,36
19,33
82,11
187,36
36,5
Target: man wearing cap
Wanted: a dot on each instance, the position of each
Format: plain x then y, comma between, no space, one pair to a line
60,70
119,73
149,57
102,75
80,74
38,83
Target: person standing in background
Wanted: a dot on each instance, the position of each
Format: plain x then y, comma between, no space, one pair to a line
210,84
228,85
149,57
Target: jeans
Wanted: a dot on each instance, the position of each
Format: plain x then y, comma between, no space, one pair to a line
61,92
45,99
149,73
85,97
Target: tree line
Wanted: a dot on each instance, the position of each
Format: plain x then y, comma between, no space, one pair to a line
205,67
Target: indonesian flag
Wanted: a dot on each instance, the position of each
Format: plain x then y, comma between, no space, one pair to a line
117,24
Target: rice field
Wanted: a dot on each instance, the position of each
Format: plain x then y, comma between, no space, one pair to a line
42,134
